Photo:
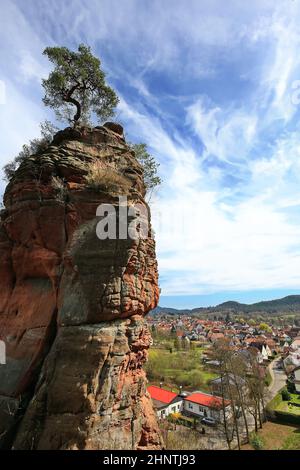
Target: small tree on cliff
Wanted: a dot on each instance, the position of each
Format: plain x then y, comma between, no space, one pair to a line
48,130
77,84
150,165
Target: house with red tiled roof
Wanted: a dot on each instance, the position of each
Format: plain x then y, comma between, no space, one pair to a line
164,401
180,334
215,336
204,405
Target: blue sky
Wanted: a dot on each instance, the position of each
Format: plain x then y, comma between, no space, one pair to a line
213,88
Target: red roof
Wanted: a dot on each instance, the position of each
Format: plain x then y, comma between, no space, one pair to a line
160,394
206,400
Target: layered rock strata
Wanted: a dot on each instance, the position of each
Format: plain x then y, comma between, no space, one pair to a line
72,306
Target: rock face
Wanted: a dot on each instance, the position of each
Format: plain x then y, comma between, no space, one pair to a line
72,305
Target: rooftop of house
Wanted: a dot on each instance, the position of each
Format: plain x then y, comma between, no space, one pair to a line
204,399
161,395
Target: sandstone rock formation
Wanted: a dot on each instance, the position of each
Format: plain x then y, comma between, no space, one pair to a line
71,305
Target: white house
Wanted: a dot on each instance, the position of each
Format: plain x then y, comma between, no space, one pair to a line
2,353
266,352
296,379
202,405
295,346
291,362
164,401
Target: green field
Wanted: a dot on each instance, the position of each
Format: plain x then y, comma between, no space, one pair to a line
292,442
177,368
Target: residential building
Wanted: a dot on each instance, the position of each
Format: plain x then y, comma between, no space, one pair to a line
164,401
200,405
297,379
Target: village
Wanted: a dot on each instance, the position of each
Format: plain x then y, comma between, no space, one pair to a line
224,378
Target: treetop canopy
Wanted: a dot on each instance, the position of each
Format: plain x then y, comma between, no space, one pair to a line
78,84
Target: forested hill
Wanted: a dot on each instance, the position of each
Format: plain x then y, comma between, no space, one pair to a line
289,304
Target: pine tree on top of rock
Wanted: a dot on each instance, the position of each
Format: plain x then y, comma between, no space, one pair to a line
77,91
76,87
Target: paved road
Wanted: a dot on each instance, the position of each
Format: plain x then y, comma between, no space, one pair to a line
278,378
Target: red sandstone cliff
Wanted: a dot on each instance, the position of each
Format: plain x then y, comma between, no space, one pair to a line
72,306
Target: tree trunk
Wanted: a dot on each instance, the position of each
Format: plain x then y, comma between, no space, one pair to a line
236,425
241,400
68,98
259,415
78,107
224,414
255,420
263,407
232,402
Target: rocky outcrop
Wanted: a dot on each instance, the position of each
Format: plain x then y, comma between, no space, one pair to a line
72,305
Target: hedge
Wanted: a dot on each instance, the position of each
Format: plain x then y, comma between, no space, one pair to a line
283,417
278,415
270,408
183,420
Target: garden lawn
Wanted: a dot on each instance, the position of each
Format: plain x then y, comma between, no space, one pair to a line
177,368
278,437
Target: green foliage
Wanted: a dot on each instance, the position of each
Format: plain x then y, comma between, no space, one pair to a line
290,386
193,378
149,164
268,378
77,81
286,396
256,441
264,327
175,416
286,417
178,418
179,368
292,442
282,410
273,404
228,317
48,130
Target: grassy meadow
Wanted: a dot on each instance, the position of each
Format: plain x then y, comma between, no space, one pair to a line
277,436
178,367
